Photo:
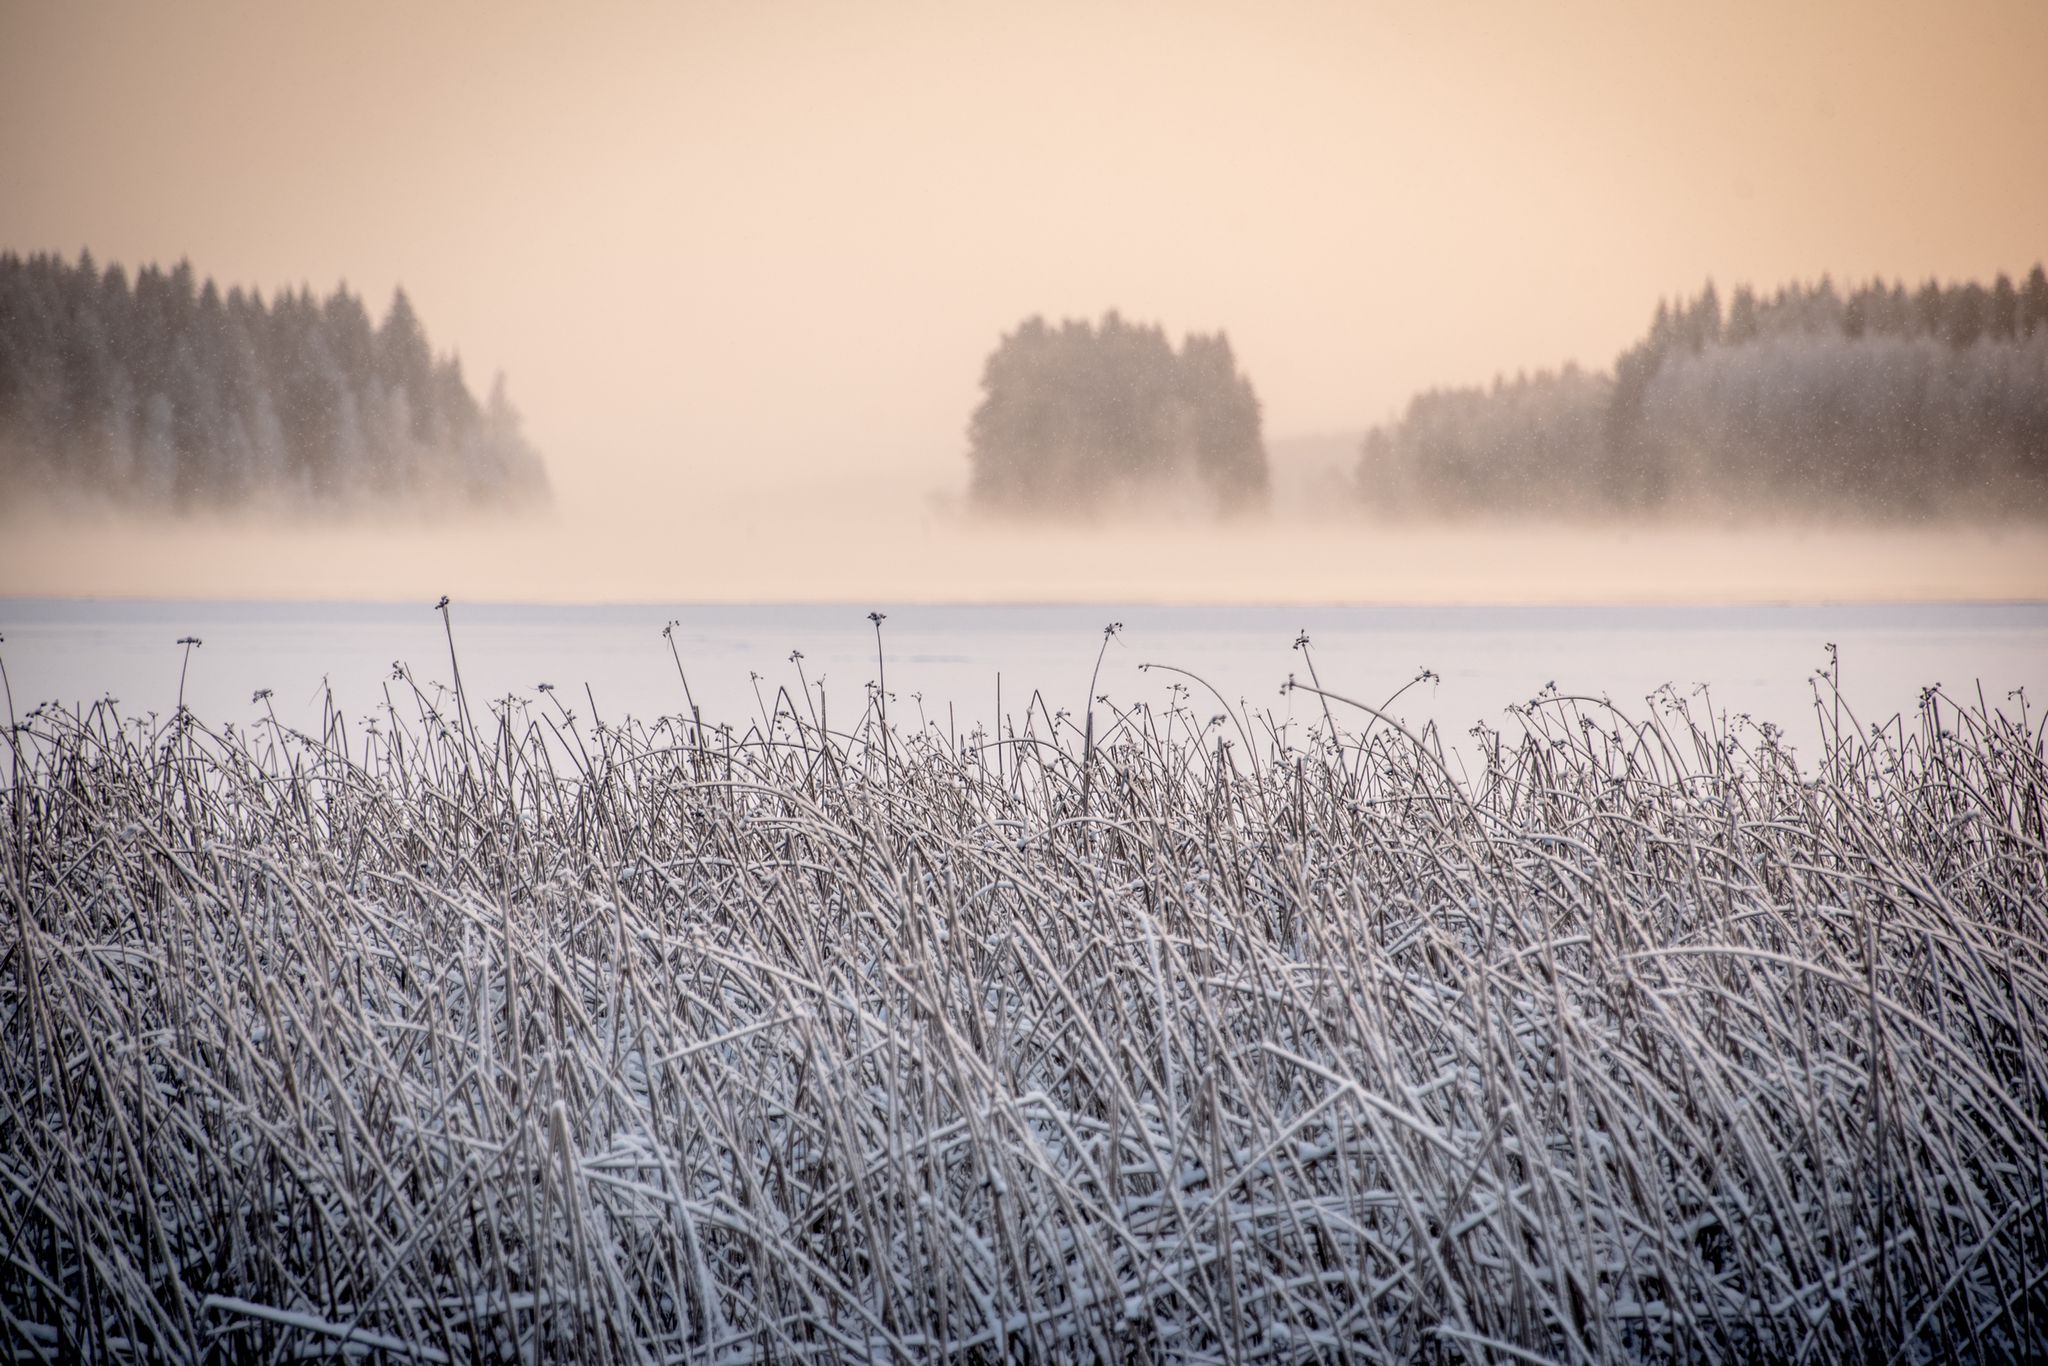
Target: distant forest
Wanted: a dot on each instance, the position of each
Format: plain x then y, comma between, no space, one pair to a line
1882,403
1079,416
168,393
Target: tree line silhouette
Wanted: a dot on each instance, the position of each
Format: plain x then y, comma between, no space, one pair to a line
1080,416
1885,402
167,392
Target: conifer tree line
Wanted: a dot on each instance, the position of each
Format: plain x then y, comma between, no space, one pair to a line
1883,403
1082,415
165,392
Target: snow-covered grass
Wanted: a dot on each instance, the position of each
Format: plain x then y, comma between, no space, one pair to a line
1126,1035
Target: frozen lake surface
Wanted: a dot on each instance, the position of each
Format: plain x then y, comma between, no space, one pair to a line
1755,659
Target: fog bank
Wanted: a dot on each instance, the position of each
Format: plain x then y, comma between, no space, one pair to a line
870,540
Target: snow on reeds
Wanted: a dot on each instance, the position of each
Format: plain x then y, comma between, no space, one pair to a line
490,1031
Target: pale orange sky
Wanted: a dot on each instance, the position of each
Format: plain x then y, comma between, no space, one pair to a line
768,246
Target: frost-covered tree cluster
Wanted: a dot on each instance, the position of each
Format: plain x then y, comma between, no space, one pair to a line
165,392
1498,447
1882,403
1082,415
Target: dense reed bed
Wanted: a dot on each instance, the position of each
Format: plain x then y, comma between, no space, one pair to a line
491,1031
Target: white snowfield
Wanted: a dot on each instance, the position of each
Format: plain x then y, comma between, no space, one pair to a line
1125,1034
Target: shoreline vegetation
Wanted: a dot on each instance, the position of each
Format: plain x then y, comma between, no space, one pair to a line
481,1027
1877,404
169,396
1085,419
